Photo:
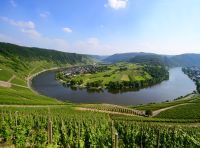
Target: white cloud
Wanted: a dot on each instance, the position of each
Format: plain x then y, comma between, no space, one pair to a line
21,24
13,3
34,38
27,27
44,14
31,32
117,4
67,29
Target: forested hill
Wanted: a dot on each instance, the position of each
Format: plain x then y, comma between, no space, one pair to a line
171,61
124,56
20,58
186,59
31,53
152,59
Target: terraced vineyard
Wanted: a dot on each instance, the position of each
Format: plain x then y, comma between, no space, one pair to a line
112,108
62,126
187,111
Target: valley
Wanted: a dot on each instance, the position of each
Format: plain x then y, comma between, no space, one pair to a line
29,119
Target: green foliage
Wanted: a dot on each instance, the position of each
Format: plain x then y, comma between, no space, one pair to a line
148,112
27,127
151,135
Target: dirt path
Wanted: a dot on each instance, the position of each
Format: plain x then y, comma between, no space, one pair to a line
104,111
5,84
164,109
19,85
11,78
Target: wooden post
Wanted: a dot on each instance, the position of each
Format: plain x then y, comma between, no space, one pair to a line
79,134
116,140
50,134
112,129
141,146
158,139
16,118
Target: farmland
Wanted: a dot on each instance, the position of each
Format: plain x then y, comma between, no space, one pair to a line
118,76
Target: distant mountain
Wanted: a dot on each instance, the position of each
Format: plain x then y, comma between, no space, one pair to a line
186,59
99,57
152,59
124,56
171,61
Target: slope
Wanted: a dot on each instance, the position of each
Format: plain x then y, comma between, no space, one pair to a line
18,63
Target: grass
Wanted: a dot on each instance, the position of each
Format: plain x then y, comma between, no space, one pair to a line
22,70
5,75
157,106
187,111
19,81
20,95
125,77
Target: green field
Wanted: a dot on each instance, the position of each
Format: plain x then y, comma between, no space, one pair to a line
113,74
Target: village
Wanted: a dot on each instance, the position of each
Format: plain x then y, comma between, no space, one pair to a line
73,71
192,72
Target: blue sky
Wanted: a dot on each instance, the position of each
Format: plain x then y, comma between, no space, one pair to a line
103,26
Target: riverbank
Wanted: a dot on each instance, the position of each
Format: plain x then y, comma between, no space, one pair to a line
29,78
177,85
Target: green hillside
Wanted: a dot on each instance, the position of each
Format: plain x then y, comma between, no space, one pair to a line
18,64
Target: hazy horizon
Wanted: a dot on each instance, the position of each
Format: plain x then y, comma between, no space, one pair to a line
106,27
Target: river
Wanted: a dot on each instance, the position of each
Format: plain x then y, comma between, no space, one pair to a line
178,84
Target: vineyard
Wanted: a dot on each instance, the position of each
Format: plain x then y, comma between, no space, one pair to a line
113,108
62,126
